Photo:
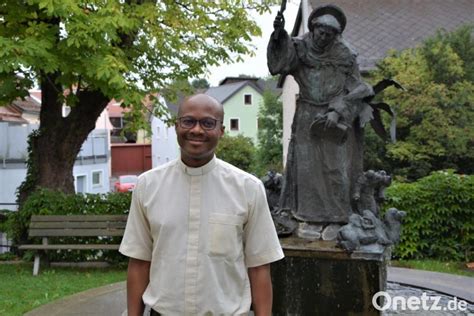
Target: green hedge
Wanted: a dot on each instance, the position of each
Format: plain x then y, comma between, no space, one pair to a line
440,216
47,202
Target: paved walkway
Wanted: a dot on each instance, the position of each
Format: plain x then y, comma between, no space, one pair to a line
454,285
111,299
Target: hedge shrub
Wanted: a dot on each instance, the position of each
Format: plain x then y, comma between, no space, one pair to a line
440,216
47,202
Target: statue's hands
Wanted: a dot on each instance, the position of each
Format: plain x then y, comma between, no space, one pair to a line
279,22
332,119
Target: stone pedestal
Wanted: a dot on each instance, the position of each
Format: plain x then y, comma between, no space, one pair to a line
316,278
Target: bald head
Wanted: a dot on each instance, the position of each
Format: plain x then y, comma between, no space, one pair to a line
199,135
204,101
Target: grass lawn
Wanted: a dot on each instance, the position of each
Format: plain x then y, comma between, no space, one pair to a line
436,266
20,292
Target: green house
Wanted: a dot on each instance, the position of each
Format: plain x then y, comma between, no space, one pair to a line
241,97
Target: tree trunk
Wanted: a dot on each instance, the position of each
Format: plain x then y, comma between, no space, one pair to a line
54,148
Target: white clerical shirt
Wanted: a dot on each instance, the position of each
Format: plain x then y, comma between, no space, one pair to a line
201,228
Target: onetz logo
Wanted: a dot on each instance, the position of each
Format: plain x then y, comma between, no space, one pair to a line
414,303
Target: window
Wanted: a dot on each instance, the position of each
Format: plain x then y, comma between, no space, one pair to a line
247,99
234,124
117,123
81,184
96,178
158,132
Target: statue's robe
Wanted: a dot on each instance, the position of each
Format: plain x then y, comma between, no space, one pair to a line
320,174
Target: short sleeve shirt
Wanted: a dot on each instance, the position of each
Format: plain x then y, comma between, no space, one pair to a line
201,228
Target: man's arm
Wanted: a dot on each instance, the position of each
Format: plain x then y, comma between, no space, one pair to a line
261,287
138,277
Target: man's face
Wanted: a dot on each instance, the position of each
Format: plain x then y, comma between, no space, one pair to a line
197,144
323,35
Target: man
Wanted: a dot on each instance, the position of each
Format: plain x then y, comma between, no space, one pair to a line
325,151
199,235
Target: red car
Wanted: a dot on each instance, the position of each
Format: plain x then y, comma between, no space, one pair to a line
126,183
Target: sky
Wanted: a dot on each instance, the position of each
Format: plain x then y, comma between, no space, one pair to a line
257,65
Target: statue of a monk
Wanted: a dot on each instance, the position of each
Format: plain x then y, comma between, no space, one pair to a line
326,147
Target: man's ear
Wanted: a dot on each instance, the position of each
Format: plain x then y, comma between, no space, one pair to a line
222,130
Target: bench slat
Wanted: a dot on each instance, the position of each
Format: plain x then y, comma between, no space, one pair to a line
79,218
75,232
77,225
65,247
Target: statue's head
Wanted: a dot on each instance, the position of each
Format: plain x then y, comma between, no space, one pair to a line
326,23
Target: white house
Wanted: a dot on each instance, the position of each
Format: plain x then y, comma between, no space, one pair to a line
91,170
17,120
164,145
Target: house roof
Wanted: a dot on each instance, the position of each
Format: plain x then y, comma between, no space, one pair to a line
29,104
9,114
228,80
376,26
13,112
115,110
225,91
172,107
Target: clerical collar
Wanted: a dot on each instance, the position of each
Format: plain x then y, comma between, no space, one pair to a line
199,170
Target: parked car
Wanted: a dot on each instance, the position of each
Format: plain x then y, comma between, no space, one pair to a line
126,183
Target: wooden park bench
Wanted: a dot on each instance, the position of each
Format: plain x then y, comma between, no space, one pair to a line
45,226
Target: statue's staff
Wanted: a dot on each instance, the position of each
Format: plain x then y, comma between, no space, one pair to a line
280,14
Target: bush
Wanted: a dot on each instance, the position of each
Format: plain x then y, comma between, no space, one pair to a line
47,202
439,222
238,151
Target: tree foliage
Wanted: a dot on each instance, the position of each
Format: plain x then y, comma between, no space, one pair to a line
122,48
200,83
435,114
270,133
84,53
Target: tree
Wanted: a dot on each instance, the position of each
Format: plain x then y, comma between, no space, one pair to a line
84,53
435,114
200,83
238,151
270,133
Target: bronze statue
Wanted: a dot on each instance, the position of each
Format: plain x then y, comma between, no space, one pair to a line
326,147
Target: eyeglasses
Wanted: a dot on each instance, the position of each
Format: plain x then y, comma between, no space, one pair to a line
207,123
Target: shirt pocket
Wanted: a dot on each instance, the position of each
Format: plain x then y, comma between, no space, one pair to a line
225,235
